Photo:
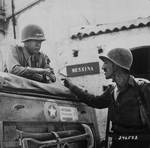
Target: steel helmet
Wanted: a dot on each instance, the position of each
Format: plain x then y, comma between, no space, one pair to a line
32,32
119,56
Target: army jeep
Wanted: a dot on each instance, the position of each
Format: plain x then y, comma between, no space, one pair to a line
33,114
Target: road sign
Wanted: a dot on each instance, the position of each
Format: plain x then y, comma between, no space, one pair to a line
83,69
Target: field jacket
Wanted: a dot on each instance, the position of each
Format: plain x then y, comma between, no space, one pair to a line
19,60
124,111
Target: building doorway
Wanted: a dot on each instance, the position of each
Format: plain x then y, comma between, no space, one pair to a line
141,62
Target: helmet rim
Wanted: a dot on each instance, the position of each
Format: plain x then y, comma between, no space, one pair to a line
103,57
28,39
32,32
119,56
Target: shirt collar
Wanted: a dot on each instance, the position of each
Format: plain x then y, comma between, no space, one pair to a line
26,53
131,82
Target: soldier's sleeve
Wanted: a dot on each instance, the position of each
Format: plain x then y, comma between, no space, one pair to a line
46,62
47,65
101,101
12,59
13,62
146,97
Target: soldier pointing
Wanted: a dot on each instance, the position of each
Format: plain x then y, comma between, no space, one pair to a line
128,100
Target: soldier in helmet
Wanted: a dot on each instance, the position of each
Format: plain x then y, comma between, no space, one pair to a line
128,115
28,61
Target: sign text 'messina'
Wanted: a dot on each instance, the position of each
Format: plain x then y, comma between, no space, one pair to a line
83,69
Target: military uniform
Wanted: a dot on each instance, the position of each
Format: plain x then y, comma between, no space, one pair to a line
124,109
26,63
19,60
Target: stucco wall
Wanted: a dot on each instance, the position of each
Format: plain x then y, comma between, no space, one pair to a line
88,52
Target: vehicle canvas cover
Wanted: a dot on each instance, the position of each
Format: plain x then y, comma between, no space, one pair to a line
13,83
